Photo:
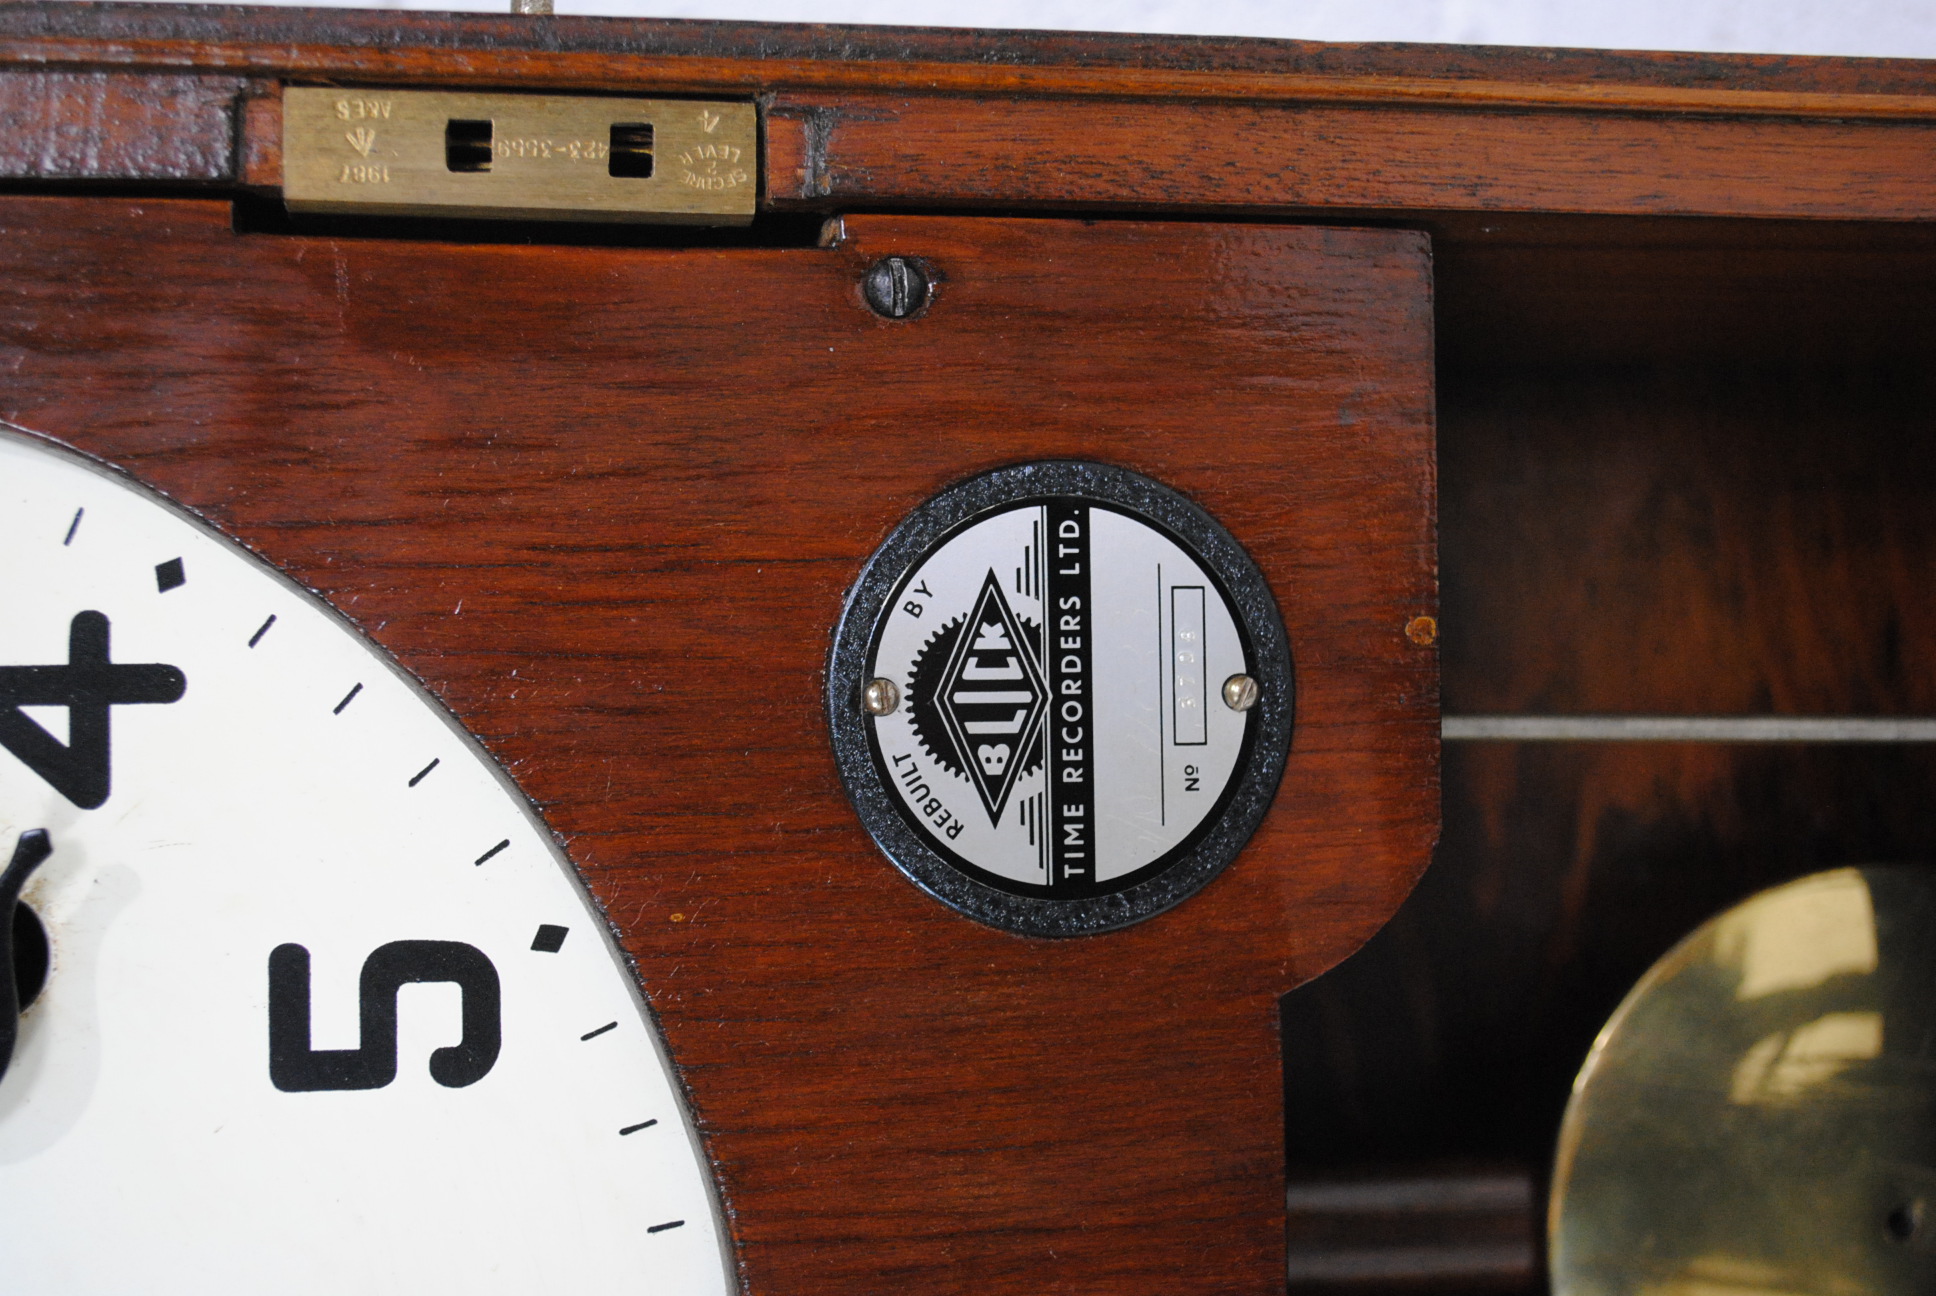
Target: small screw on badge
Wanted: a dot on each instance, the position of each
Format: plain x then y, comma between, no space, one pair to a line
881,697
895,287
1240,692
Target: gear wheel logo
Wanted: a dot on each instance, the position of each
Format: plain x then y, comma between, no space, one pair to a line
978,698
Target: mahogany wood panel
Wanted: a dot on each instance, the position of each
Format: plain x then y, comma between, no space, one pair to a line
117,126
936,119
624,53
606,503
1153,154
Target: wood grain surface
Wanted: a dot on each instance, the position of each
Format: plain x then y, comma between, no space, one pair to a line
904,117
605,502
616,52
1163,154
92,125
1686,468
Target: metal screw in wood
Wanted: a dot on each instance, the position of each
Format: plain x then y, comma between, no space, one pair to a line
895,287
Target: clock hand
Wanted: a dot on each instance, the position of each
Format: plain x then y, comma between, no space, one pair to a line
28,852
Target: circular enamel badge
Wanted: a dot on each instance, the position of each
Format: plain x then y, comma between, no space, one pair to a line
1061,697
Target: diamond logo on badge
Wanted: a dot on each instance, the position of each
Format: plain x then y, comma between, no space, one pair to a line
1061,697
981,716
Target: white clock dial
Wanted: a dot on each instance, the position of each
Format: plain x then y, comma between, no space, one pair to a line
327,1009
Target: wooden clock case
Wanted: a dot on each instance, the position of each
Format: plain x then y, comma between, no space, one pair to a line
1635,348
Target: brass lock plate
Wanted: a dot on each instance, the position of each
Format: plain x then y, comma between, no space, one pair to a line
523,157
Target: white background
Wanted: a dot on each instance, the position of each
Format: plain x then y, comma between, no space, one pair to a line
1879,28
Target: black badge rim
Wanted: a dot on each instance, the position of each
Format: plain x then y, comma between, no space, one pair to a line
1260,768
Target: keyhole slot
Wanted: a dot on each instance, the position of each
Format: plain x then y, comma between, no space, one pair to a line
467,145
631,154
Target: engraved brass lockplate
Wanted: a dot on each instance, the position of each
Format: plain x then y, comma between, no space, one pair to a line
512,156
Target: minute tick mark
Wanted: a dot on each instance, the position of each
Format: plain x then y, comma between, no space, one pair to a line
425,770
494,850
594,1034
256,638
350,697
633,1129
73,526
660,1228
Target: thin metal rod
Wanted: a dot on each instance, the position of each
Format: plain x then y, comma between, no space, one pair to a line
1451,1193
1722,729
